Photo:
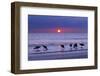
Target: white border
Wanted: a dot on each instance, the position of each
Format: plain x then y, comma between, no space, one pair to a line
25,64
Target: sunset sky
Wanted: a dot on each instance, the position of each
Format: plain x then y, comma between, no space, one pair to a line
54,24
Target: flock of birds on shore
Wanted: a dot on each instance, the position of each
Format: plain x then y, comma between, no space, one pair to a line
71,45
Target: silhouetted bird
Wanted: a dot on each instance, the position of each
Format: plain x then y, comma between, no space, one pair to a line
75,46
81,45
71,45
45,47
62,46
37,47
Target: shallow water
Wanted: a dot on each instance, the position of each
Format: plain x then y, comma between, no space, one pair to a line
53,42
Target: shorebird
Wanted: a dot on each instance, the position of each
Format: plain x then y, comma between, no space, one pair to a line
45,47
37,47
62,46
75,46
71,45
82,45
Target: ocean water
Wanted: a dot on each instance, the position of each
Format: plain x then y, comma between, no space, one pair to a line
56,36
53,42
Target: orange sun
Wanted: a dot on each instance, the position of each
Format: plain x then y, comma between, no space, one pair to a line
58,30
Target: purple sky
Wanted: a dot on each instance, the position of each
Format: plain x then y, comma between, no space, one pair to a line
50,24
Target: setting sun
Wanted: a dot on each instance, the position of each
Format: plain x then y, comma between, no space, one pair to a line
58,30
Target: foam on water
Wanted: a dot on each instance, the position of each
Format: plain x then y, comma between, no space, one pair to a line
53,42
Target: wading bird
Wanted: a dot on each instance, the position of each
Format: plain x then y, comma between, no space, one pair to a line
82,45
45,47
37,47
71,45
75,46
